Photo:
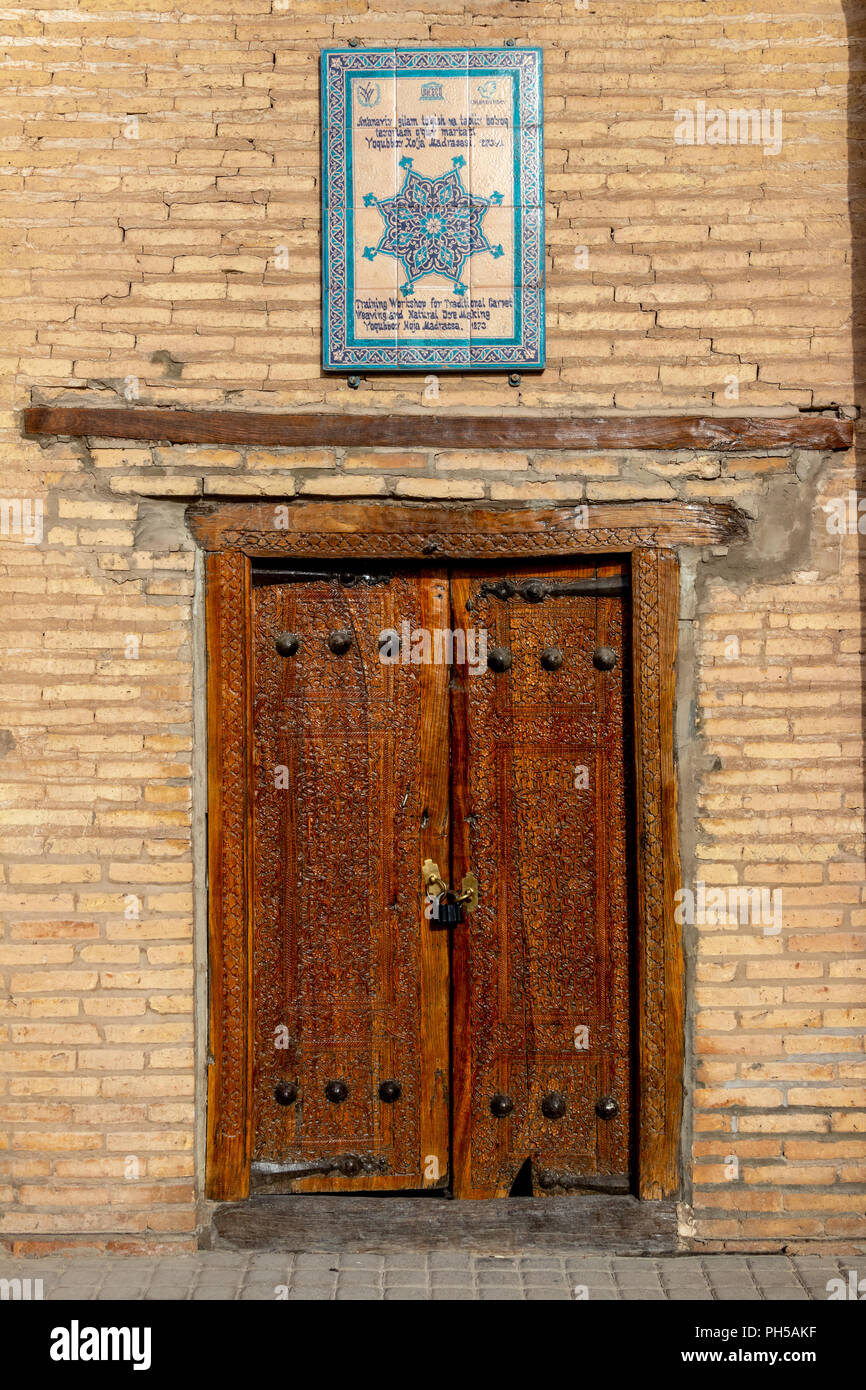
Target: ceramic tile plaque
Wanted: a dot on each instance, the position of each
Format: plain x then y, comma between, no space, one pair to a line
433,209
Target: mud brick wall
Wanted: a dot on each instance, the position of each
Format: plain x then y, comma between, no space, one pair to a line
160,177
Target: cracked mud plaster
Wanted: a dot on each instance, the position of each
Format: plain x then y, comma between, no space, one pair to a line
779,528
161,527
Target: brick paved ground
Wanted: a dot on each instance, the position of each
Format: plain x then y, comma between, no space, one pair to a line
434,1275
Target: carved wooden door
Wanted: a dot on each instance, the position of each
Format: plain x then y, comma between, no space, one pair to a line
391,1052
542,1047
351,794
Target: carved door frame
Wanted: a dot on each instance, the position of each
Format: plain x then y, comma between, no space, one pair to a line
234,534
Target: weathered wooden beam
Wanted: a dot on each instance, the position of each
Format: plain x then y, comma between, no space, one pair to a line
510,1226
423,431
415,530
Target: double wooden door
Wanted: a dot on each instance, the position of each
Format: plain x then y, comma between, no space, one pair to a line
479,718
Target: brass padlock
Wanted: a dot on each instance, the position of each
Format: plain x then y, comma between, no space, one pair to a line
449,905
448,909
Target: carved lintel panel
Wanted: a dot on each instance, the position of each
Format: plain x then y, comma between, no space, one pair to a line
229,855
317,529
660,972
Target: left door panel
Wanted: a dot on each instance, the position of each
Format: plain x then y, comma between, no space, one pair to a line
350,983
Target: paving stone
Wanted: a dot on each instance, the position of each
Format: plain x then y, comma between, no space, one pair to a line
532,1278
359,1276
84,1279
448,1259
774,1282
112,1288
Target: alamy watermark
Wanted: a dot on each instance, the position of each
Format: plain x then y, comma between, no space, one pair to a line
419,646
77,1343
710,125
854,1288
729,907
846,516
20,1290
22,516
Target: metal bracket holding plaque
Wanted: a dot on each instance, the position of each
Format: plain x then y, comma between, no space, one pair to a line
433,209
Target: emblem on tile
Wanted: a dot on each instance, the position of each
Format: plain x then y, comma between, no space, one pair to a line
432,226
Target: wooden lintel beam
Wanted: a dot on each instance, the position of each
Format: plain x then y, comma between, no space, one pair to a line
385,528
423,431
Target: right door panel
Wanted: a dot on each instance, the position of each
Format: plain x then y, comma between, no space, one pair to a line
542,809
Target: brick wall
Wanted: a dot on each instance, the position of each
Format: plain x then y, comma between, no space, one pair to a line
779,1121
141,262
138,247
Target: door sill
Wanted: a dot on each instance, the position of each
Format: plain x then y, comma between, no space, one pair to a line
402,1225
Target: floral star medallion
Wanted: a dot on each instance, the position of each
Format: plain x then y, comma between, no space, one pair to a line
433,226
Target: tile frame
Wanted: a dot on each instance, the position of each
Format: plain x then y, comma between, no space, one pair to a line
526,350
